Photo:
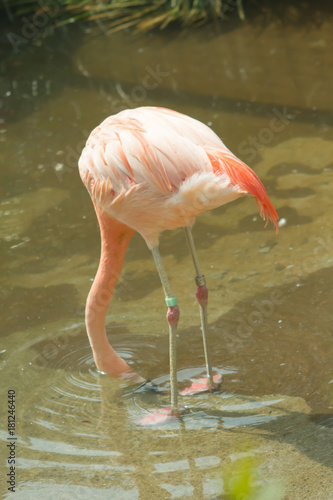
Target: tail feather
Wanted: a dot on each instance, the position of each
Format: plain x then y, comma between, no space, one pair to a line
242,175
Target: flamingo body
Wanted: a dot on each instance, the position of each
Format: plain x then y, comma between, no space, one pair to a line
148,170
155,169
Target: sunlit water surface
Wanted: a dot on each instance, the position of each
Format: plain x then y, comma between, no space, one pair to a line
266,90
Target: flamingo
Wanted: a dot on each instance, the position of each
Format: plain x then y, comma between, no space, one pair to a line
147,170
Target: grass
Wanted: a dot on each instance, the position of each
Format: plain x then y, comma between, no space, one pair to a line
242,482
141,15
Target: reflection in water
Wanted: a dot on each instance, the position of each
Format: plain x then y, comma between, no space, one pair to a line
270,297
83,424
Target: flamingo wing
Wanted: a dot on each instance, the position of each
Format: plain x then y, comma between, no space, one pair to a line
163,148
148,145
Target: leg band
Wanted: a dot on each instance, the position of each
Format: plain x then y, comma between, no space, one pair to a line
171,301
200,280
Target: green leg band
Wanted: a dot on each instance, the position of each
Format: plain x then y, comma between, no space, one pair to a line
171,301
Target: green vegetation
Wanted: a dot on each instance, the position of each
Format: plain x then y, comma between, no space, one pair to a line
142,15
242,482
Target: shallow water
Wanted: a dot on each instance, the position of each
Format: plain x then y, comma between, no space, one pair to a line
266,90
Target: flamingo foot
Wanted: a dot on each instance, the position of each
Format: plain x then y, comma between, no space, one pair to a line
202,385
162,416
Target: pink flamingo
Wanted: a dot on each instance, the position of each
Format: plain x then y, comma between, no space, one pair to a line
147,170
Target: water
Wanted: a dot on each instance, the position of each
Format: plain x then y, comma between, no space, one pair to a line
266,90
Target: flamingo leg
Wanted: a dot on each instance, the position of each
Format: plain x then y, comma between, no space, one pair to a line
202,297
172,318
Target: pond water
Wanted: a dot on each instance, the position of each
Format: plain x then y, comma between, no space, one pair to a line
266,91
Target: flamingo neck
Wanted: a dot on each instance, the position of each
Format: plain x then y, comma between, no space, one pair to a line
115,237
